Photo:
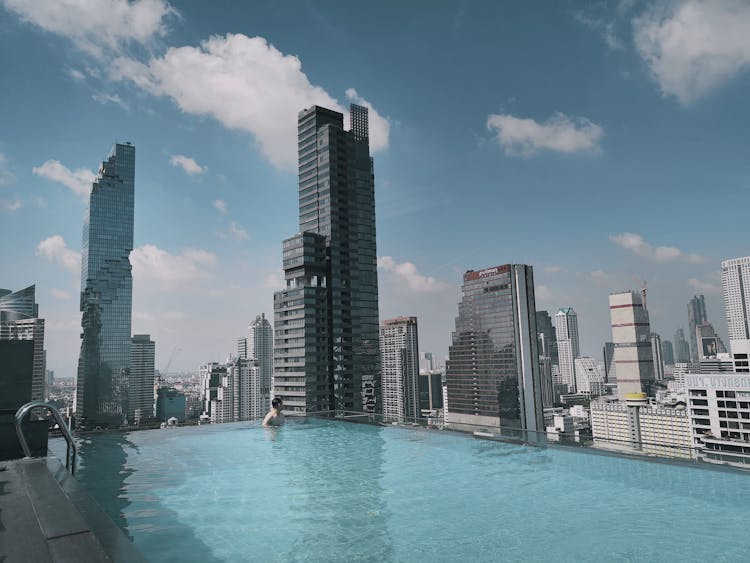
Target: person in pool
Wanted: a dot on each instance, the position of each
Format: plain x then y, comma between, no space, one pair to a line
275,417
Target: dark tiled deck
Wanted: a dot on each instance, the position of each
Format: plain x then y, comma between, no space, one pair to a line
46,517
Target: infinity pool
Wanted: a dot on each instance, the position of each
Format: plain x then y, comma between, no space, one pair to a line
320,490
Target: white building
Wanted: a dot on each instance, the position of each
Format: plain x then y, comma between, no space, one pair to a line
260,349
399,365
720,417
566,329
589,380
631,335
656,351
735,285
636,426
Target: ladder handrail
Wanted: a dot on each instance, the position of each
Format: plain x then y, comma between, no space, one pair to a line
70,458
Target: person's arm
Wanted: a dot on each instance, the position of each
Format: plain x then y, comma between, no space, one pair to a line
268,417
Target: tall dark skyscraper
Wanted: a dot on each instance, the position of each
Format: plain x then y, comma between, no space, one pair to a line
696,317
326,319
107,292
548,337
492,373
681,347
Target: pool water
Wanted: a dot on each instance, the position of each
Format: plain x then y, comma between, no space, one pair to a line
318,490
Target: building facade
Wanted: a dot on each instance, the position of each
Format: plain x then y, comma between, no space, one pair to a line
141,383
735,285
667,352
492,374
333,273
681,347
631,335
656,351
589,379
547,336
696,316
107,292
566,329
260,349
399,365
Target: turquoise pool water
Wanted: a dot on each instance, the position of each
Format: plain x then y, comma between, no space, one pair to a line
332,491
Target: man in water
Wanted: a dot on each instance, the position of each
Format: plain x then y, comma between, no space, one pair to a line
275,417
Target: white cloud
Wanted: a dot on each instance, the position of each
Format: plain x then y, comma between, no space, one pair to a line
104,98
636,244
703,287
151,263
235,232
55,249
187,164
11,205
605,28
542,293
599,277
40,201
221,206
694,46
244,83
524,137
76,74
96,26
59,293
6,176
407,277
78,181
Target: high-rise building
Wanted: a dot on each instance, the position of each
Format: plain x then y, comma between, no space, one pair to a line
141,382
107,292
610,371
19,320
681,348
399,365
657,355
326,319
709,343
696,316
260,349
631,335
427,362
566,329
242,347
589,380
547,336
430,391
735,286
492,374
667,352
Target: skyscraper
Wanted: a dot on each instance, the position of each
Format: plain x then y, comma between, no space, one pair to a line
681,347
492,374
657,355
141,381
107,292
631,335
610,372
735,285
548,336
667,352
326,319
399,365
260,349
19,320
696,316
566,329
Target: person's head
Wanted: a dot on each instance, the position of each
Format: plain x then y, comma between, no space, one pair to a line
277,403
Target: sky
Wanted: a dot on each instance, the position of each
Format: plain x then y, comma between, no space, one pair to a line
604,143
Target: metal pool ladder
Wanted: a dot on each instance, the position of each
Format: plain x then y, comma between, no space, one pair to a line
70,452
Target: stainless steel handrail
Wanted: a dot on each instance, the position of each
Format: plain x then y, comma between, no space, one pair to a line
70,452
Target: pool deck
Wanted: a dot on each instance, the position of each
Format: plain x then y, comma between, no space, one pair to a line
46,517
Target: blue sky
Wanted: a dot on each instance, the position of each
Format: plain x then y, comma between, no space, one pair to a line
604,143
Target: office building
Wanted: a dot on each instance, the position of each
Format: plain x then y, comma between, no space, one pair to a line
19,320
141,387
107,293
549,397
547,336
326,353
667,352
681,347
656,351
589,379
735,286
696,316
242,347
427,362
170,403
631,335
709,343
492,373
566,329
720,417
610,372
399,364
260,350
430,391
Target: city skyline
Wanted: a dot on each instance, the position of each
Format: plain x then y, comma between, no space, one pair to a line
496,153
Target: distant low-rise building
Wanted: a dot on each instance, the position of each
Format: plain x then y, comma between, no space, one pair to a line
170,403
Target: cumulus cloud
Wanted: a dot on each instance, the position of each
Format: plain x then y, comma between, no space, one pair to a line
187,164
244,83
221,206
560,133
635,243
104,98
703,287
380,127
6,176
10,205
408,277
151,263
96,26
235,232
78,181
694,46
59,293
55,249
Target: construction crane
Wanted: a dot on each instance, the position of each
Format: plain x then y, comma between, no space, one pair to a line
169,362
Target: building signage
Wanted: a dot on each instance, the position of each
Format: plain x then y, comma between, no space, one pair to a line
717,381
486,273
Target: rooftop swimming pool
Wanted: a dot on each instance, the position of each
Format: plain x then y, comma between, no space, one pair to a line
320,490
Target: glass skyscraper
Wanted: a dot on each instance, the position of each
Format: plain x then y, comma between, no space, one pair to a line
326,319
492,373
107,292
